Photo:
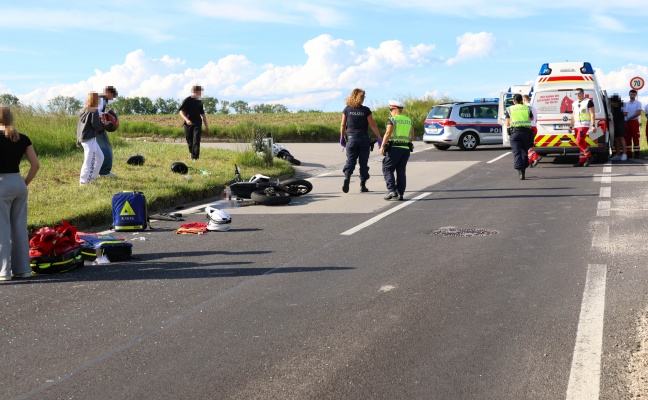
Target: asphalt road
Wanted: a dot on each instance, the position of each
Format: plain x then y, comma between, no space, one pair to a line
478,286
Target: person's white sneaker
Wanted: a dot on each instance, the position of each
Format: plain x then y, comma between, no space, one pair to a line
624,157
108,175
615,157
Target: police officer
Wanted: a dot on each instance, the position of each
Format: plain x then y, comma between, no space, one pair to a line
354,136
396,148
518,120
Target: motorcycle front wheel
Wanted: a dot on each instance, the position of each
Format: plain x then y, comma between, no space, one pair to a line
297,187
267,198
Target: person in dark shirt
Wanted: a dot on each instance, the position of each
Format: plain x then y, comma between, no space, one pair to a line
618,119
193,113
354,135
14,239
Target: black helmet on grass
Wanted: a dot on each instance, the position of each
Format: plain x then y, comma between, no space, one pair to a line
179,167
135,160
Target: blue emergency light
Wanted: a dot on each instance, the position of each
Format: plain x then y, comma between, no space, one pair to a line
587,69
545,70
487,100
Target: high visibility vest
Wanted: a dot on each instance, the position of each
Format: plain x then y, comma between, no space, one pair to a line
519,116
582,113
400,136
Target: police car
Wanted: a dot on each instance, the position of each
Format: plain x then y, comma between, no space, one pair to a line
463,124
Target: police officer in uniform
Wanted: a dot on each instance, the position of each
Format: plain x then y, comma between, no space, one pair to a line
354,136
396,148
518,120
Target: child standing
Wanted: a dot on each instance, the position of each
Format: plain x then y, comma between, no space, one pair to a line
87,129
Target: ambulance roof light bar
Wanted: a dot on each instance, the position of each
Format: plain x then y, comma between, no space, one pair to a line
585,69
487,100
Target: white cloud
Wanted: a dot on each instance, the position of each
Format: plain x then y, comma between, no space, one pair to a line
607,22
332,66
473,45
618,81
271,11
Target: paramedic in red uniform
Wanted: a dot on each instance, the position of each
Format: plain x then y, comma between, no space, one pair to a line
583,118
632,111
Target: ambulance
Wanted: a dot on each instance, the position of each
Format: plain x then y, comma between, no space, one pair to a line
553,95
506,100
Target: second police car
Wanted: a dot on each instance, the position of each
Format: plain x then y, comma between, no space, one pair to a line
463,124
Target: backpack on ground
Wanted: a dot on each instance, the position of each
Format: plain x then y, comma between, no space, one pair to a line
96,245
129,212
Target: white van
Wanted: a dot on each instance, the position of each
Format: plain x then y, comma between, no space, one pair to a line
553,95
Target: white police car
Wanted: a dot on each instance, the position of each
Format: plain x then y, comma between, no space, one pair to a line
463,124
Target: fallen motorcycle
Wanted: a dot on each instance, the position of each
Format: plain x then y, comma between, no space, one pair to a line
282,152
265,191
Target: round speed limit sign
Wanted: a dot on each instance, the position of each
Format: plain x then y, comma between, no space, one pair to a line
637,83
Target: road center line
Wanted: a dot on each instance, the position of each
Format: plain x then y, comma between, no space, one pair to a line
585,374
606,191
383,215
601,235
500,157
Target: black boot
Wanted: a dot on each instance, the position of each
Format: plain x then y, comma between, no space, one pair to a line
363,188
345,186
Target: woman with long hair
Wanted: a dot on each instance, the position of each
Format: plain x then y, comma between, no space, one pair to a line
354,136
14,239
87,130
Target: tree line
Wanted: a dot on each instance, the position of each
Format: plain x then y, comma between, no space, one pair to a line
146,106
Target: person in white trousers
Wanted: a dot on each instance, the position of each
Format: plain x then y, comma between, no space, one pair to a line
87,129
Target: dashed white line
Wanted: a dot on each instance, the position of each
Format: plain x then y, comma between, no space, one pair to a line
601,235
603,209
606,191
585,374
383,215
500,157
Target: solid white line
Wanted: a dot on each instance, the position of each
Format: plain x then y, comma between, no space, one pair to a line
383,215
585,374
502,156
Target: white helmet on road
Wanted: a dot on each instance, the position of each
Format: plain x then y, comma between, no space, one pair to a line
218,220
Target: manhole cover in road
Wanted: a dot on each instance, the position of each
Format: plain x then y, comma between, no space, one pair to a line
462,232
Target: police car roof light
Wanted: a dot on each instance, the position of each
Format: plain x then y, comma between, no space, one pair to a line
587,68
487,100
545,70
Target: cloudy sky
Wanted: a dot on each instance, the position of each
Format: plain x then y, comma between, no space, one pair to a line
311,54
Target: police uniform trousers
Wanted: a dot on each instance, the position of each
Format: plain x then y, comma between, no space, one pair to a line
521,140
395,161
357,150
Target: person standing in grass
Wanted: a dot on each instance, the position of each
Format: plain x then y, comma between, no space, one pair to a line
14,239
88,128
193,113
102,136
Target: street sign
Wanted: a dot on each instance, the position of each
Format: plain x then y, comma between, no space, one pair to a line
637,83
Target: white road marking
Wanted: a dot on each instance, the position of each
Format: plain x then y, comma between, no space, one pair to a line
607,169
383,215
603,209
585,374
606,180
606,191
498,158
601,235
386,288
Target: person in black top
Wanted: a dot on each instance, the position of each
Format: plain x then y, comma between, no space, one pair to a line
618,119
193,113
110,93
354,135
14,239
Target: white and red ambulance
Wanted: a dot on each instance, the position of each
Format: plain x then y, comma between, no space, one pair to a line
553,95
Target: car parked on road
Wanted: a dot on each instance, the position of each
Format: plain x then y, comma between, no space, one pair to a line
463,124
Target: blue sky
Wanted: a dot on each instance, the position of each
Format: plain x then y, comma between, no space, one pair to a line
311,54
